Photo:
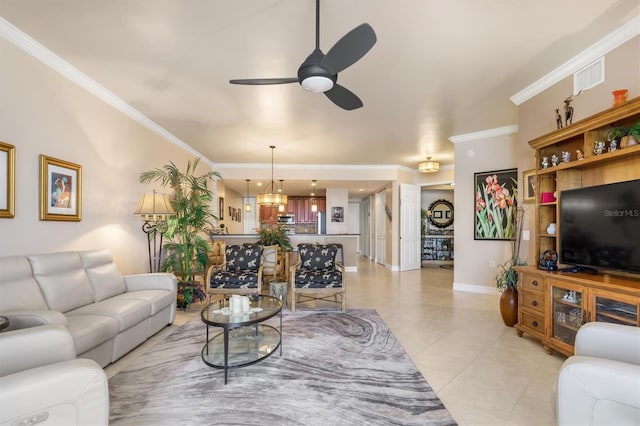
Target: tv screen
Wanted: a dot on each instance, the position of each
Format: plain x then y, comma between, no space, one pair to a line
600,227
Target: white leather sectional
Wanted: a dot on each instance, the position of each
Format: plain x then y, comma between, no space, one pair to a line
106,313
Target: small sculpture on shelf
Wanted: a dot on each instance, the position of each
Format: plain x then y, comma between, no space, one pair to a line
613,146
579,154
598,147
568,111
554,160
566,156
558,119
545,162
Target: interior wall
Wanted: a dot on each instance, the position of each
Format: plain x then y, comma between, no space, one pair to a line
472,270
42,112
337,197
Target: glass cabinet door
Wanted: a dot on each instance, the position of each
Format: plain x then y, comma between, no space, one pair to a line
614,308
567,308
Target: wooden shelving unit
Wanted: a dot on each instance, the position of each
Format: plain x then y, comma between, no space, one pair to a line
543,311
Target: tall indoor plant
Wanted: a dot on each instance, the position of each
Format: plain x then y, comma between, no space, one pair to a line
507,277
186,249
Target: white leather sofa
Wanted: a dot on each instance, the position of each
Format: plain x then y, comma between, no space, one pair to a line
600,384
42,382
107,314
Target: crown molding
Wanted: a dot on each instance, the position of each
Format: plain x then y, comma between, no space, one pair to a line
623,34
44,55
485,134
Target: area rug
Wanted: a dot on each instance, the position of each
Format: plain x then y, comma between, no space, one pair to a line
336,369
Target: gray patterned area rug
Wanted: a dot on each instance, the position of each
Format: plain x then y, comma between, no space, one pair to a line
336,369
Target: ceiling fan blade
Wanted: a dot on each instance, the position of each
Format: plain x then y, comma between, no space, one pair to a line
264,81
350,48
343,97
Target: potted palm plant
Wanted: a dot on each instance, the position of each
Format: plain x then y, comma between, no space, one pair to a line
186,249
274,234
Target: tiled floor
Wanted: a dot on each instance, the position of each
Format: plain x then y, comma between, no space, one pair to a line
483,372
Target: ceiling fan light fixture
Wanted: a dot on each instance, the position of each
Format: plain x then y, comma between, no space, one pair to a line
428,166
317,84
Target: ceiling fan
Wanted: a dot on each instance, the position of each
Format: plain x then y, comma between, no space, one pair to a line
319,72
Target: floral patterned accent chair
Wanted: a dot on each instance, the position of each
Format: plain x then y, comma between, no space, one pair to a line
317,276
241,272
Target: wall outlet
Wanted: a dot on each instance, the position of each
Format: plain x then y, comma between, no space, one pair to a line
492,264
526,235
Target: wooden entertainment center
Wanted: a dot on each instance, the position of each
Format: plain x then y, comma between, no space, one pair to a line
553,305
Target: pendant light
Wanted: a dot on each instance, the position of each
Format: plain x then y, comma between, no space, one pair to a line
428,166
269,197
281,206
247,206
314,202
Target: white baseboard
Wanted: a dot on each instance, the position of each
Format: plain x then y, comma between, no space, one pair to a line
474,288
351,268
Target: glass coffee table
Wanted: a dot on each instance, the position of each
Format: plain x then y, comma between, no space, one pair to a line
244,339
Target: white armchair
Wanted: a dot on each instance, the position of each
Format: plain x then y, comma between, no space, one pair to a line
42,382
600,384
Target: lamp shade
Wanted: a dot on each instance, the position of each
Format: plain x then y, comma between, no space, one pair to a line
271,199
154,207
428,166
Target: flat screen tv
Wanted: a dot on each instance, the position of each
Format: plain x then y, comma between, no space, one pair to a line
600,227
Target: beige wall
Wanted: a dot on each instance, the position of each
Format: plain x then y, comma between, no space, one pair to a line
41,112
472,270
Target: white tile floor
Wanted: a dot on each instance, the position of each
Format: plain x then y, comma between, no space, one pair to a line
483,372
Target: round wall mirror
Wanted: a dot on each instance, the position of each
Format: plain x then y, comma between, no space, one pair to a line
440,213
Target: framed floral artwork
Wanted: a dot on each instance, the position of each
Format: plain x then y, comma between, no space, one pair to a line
7,180
60,190
495,204
529,182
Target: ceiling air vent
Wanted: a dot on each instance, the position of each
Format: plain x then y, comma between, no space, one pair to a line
589,76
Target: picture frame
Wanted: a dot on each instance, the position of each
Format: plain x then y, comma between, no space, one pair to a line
496,194
529,182
60,190
337,214
7,180
221,208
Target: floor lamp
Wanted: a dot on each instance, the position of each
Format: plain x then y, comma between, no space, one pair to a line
154,209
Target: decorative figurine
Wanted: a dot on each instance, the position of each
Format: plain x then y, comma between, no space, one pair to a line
566,156
554,160
568,111
558,119
613,146
545,162
579,154
598,148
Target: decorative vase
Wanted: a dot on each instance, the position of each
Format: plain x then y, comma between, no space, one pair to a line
619,96
551,229
509,306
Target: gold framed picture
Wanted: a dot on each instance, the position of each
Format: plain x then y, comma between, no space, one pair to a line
7,180
60,190
529,182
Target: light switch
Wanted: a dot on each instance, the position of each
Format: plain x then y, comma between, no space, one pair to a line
526,235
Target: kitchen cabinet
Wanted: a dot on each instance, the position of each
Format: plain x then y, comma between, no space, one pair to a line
300,207
268,214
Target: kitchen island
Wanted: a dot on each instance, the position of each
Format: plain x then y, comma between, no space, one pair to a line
349,244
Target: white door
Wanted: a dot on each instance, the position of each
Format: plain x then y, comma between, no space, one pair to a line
381,229
410,253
